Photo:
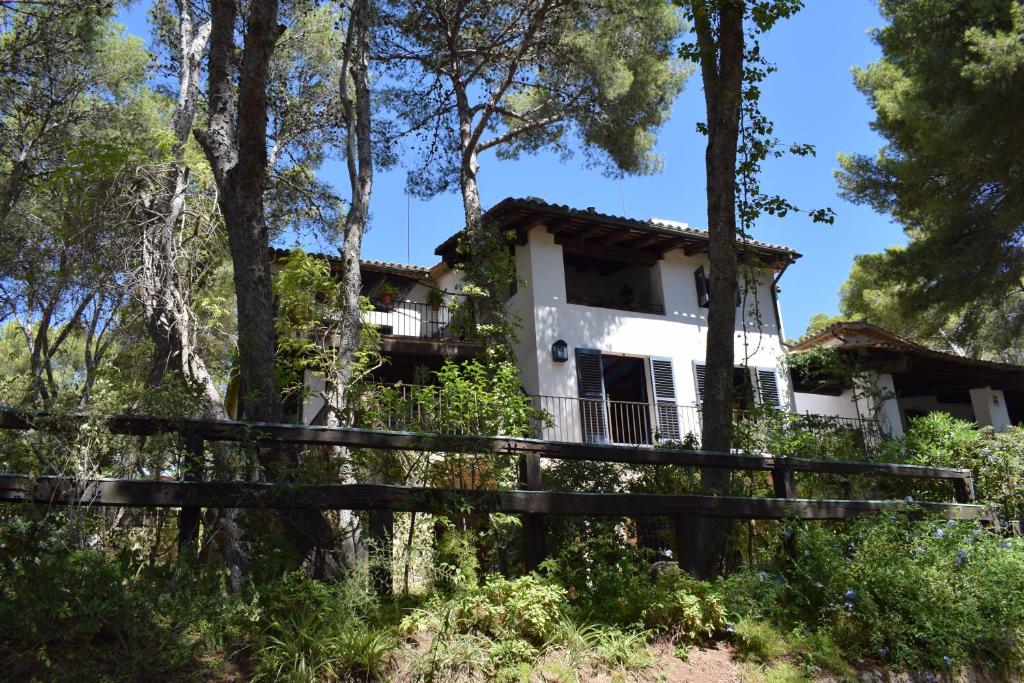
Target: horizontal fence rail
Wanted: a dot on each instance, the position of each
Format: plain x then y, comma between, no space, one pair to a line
147,493
269,433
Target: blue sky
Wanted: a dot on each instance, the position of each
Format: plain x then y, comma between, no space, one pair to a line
811,99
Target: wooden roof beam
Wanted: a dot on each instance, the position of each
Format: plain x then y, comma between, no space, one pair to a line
596,251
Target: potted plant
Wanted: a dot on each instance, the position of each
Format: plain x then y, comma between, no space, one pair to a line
385,293
435,297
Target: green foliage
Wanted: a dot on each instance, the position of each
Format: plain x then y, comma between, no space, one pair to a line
759,641
908,594
527,608
996,459
945,93
686,609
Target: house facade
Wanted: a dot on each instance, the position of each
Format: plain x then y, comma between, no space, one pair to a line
902,380
613,321
613,331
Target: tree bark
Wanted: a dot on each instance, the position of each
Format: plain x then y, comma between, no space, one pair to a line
721,63
354,88
355,99
236,147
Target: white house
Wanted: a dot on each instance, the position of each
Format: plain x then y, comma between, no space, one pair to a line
613,315
627,300
903,379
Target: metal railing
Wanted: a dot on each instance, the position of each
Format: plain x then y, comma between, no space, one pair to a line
573,420
412,319
584,420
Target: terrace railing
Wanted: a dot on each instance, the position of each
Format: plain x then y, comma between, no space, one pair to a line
412,319
580,420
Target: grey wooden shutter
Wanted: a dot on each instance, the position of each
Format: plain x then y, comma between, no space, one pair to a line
665,409
768,388
703,285
699,375
590,376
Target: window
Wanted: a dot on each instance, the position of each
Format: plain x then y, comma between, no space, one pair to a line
703,284
744,381
603,283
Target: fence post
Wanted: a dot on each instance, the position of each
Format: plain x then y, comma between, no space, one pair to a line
784,483
689,533
964,488
380,537
533,525
188,518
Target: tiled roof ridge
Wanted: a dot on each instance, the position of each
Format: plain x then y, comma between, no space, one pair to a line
664,224
894,341
365,261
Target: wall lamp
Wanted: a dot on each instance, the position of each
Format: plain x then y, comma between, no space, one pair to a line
559,351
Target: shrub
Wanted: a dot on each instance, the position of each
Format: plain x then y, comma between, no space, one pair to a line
916,594
686,609
604,579
527,608
996,459
759,641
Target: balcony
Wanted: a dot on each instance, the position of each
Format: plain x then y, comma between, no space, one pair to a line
413,333
412,319
579,420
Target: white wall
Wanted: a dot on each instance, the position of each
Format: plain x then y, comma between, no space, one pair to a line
820,404
930,404
679,334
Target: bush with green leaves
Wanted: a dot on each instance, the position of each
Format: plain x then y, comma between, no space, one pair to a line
687,610
932,594
527,608
996,459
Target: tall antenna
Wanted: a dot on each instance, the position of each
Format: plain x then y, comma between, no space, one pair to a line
408,230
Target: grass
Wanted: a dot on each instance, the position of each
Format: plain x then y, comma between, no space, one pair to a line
758,641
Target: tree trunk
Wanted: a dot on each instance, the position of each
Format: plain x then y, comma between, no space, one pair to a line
235,145
721,61
354,87
355,98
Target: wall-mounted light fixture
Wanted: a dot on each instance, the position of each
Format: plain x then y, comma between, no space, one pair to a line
559,351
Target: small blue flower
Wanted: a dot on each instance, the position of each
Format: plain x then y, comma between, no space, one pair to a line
729,628
930,677
961,558
807,553
1004,544
850,594
848,606
948,661
883,651
950,522
940,533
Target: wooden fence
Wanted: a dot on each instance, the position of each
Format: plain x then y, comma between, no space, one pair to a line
688,511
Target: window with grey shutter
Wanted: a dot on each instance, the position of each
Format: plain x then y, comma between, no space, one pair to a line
699,374
665,409
703,285
590,377
768,388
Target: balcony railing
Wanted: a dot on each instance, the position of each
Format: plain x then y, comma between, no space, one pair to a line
412,319
576,420
583,420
